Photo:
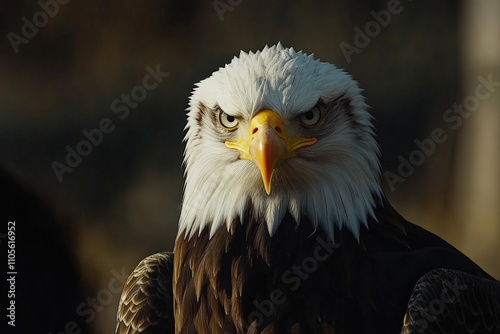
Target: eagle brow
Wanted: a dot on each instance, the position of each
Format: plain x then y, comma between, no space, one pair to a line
323,105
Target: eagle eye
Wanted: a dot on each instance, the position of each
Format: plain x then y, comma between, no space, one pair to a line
226,121
311,118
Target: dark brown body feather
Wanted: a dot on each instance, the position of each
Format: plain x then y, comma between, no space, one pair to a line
146,301
244,281
450,301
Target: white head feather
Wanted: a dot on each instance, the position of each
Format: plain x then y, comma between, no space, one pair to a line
332,182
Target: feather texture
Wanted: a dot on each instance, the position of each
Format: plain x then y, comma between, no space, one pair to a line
451,301
146,301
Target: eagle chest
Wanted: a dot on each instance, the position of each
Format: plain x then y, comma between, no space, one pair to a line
243,280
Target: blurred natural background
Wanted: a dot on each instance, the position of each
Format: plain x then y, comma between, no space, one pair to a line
77,238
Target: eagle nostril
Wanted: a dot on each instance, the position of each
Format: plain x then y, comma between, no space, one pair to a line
277,129
255,130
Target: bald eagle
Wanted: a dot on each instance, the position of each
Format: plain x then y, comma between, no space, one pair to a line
284,227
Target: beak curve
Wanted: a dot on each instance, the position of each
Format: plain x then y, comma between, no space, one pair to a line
267,149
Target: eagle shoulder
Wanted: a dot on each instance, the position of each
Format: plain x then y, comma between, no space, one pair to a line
146,304
453,301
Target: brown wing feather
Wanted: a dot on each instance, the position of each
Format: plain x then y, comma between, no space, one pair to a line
146,304
452,301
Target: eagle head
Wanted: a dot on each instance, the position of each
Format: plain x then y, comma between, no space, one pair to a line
275,132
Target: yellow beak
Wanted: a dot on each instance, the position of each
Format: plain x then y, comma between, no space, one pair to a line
267,144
